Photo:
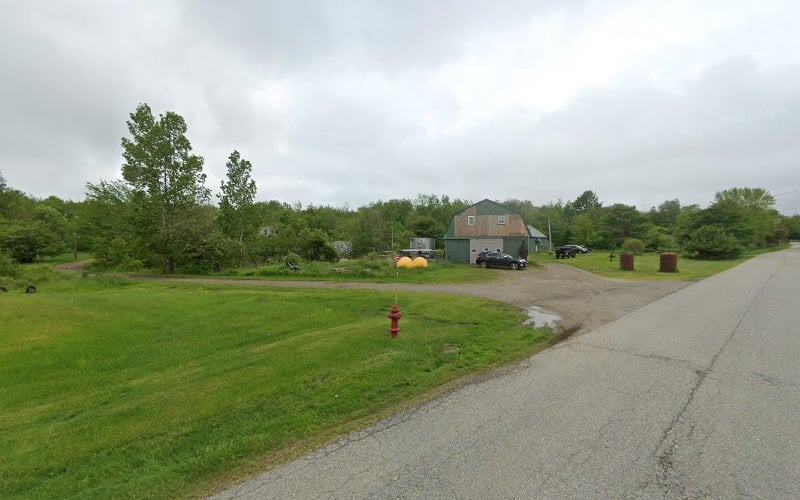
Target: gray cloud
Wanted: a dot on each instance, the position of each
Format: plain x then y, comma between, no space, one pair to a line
347,103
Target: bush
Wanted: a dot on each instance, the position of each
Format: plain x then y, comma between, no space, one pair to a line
292,259
35,274
634,246
8,266
712,242
657,239
314,246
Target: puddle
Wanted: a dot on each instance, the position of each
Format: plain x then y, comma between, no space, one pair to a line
539,317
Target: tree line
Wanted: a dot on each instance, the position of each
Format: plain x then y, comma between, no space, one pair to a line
160,215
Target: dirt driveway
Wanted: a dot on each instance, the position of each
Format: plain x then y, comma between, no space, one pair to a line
583,300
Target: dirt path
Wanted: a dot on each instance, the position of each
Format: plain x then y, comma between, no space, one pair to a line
77,266
583,300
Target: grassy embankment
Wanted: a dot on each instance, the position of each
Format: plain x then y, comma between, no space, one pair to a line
646,266
364,270
110,389
374,270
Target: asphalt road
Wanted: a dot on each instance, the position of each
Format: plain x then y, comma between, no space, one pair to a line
696,394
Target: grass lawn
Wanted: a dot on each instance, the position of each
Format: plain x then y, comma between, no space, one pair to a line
646,266
164,390
372,270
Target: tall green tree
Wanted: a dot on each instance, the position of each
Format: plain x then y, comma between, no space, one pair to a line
166,178
106,217
588,200
792,225
621,222
666,215
748,215
236,209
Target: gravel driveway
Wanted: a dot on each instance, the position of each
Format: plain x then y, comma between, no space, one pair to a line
584,301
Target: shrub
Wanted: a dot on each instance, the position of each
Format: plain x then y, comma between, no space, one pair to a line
657,239
292,259
35,274
8,266
712,242
634,246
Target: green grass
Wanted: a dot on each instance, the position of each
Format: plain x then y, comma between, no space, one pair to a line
646,266
65,258
112,389
372,270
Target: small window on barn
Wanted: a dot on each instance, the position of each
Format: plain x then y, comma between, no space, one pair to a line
501,219
470,220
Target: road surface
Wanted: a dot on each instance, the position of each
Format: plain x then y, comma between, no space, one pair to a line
696,394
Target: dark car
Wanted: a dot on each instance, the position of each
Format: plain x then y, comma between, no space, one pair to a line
577,248
500,259
565,252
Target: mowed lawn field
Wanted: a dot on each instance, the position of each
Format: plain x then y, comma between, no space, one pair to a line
172,390
646,266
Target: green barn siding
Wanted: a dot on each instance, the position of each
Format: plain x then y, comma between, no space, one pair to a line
457,250
512,245
516,236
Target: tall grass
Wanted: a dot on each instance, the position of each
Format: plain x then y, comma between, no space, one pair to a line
373,270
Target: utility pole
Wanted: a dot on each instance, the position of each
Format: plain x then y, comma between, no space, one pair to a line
549,234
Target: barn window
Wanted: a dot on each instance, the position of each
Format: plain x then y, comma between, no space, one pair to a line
501,219
470,220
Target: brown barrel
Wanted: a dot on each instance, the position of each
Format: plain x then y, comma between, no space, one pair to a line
669,263
626,261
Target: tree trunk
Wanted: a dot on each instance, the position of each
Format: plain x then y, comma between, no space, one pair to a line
169,265
241,247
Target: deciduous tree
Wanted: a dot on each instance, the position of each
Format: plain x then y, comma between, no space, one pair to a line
236,214
166,178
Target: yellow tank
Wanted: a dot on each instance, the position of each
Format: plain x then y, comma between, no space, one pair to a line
405,262
420,262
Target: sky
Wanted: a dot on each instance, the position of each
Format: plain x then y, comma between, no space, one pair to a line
349,102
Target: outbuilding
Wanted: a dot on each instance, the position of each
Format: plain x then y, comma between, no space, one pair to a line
488,225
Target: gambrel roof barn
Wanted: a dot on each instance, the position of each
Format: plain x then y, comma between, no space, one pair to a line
488,225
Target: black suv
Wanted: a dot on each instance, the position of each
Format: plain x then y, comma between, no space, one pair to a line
500,259
577,248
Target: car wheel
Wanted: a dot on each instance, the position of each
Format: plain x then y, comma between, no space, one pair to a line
514,266
483,264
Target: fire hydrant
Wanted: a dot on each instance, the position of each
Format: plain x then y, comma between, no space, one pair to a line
395,315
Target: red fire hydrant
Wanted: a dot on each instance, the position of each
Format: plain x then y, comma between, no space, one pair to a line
395,315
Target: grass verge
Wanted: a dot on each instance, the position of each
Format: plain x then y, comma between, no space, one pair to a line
111,389
369,270
646,266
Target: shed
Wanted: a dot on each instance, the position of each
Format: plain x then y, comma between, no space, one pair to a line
538,242
487,225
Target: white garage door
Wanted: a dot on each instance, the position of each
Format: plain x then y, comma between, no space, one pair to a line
479,245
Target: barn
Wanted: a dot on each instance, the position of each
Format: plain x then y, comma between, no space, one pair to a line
488,225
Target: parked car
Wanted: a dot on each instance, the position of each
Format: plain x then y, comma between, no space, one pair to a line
577,248
500,259
565,252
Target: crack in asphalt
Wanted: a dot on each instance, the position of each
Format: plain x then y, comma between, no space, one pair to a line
649,357
668,478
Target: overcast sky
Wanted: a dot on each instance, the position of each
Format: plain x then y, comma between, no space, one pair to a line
348,102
